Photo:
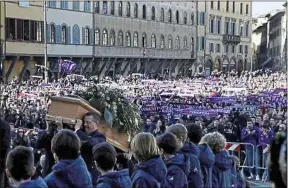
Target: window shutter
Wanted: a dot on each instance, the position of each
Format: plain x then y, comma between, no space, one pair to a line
58,34
92,36
83,35
69,35
48,28
198,18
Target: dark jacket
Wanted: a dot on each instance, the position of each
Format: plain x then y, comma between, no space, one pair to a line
118,179
88,142
5,135
149,174
195,178
207,160
178,168
69,173
39,183
250,138
222,170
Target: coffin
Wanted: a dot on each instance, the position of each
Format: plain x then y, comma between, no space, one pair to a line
70,109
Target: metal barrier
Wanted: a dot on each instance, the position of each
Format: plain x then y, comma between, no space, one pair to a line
261,160
246,157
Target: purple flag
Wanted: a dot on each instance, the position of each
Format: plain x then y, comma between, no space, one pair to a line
66,66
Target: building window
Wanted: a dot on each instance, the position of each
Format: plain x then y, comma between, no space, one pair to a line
202,18
64,5
177,42
105,7
64,34
247,9
241,8
202,46
87,6
153,41
144,11
87,36
76,5
153,13
227,49
104,37
162,42
192,18
233,6
240,49
212,25
218,5
247,30
52,33
128,39
211,47
241,30
135,40
120,38
162,15
112,38
177,17
26,31
128,9
96,7
135,10
185,43
211,4
233,28
233,49
97,37
185,18
227,28
52,4
76,34
120,9
192,44
170,42
227,6
144,40
112,8
219,26
170,16
218,48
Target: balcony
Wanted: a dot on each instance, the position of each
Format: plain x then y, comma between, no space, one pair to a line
231,39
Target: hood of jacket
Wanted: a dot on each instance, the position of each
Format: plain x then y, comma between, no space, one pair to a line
190,147
181,161
72,171
155,167
207,157
40,183
223,160
119,179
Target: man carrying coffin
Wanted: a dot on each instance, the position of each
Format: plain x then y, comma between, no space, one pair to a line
89,136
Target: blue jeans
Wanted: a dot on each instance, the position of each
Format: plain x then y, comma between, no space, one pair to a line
249,158
265,174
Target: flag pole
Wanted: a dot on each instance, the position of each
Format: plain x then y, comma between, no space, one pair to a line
45,43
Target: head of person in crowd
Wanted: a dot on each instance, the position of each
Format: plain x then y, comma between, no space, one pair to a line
215,141
91,121
282,127
105,157
144,147
20,168
180,131
249,124
216,123
273,122
168,145
148,121
65,145
194,133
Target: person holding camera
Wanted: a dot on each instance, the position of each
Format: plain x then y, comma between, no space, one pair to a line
90,137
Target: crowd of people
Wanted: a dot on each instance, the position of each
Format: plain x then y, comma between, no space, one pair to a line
186,124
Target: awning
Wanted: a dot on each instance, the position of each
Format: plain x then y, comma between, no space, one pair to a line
266,62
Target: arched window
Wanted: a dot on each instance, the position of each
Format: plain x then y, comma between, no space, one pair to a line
135,40
153,13
162,15
53,33
120,38
112,38
153,41
97,37
76,34
162,42
128,9
192,44
104,38
64,34
87,35
135,10
144,40
144,11
192,18
177,17
170,16
185,43
170,42
177,42
185,18
128,39
120,9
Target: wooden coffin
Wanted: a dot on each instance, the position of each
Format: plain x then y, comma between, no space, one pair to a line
70,109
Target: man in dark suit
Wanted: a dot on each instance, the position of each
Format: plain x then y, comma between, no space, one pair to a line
5,140
90,137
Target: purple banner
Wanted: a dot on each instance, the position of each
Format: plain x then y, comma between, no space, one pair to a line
67,66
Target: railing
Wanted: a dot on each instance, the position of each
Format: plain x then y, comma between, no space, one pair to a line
231,39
